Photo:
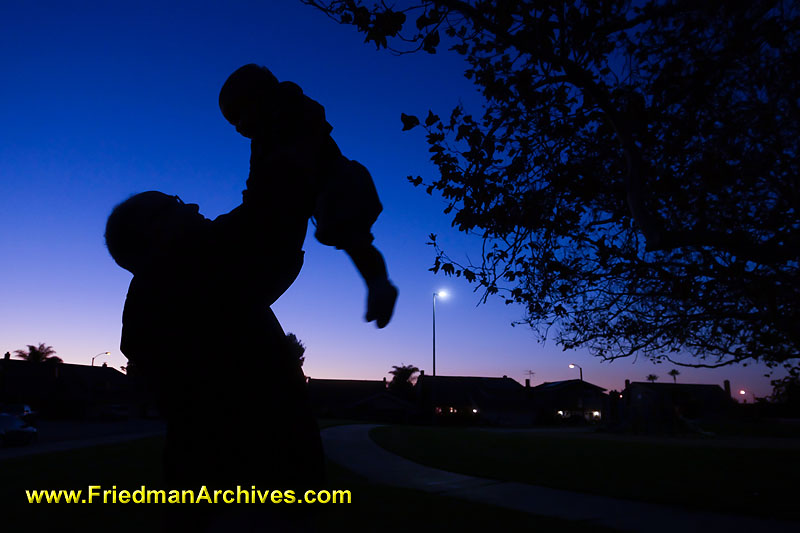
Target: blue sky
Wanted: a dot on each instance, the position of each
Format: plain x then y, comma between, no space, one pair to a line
101,100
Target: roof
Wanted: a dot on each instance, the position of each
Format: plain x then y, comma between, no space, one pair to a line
468,390
21,368
552,386
343,391
676,386
696,390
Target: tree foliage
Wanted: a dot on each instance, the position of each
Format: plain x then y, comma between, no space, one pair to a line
786,390
634,173
38,354
297,348
402,382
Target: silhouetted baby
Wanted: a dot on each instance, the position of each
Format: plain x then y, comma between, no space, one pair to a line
297,171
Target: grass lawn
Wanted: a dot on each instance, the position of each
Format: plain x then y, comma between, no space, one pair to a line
132,464
734,480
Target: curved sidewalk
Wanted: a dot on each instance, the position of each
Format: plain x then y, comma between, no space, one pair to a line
351,447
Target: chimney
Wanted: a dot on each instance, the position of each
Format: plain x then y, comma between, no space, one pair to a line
384,382
421,373
727,385
527,383
7,356
627,383
504,376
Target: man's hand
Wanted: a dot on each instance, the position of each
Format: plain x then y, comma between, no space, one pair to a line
380,302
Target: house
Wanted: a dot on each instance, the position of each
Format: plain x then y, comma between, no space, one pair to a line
572,400
64,389
672,407
465,400
358,399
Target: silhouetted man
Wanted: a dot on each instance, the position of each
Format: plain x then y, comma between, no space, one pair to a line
197,322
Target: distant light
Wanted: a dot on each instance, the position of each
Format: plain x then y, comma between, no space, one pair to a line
596,414
742,392
572,365
620,395
560,413
475,411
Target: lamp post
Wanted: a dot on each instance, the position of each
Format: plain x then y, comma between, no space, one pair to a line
98,355
743,394
573,365
440,294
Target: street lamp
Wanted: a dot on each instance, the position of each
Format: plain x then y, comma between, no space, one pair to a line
743,392
98,355
573,365
440,294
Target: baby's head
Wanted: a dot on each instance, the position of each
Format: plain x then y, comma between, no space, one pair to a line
144,228
244,96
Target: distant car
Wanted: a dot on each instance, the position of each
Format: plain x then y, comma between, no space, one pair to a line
21,410
15,430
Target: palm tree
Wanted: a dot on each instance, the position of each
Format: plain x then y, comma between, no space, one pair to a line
674,373
38,354
402,382
651,378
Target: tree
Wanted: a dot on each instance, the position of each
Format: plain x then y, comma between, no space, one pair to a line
787,390
402,382
674,373
652,378
634,176
38,354
298,349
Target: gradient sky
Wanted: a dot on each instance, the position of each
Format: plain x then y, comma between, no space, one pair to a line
100,100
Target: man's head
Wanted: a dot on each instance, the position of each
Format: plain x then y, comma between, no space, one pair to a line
244,95
145,227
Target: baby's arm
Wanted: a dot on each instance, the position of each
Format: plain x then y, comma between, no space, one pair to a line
381,293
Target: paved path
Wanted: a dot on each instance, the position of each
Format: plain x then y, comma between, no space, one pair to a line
56,436
351,447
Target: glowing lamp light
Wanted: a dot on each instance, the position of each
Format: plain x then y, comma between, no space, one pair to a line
560,413
441,294
475,411
742,392
571,365
98,355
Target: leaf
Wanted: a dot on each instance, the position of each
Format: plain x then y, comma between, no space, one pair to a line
431,119
430,42
409,121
